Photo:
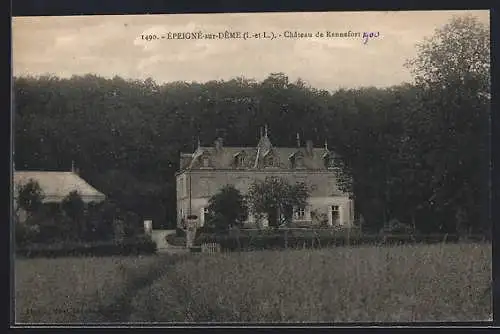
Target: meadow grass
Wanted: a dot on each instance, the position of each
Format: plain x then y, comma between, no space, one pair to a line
70,289
448,282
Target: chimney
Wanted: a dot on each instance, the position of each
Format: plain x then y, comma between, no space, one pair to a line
219,144
309,147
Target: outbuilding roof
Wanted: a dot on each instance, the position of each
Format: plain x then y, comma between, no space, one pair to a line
57,185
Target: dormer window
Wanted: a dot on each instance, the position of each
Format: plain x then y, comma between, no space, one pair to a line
239,160
205,161
270,160
297,160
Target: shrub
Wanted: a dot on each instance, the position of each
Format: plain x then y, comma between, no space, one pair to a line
25,233
50,225
30,196
276,239
138,245
175,240
56,228
396,227
131,246
179,232
99,222
132,224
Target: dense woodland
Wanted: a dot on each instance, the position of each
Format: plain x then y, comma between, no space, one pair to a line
418,153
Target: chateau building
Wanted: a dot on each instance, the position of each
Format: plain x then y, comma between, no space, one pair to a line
203,173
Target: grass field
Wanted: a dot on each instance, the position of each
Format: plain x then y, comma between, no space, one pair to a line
407,283
73,290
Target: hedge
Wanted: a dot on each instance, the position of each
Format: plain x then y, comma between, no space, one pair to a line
282,240
176,240
133,246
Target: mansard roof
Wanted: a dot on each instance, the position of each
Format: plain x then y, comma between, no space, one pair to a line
253,156
222,157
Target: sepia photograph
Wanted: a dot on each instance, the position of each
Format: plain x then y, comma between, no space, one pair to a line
251,168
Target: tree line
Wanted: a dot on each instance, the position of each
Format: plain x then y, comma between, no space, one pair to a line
418,152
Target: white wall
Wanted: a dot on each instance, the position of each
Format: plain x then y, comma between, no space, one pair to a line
321,204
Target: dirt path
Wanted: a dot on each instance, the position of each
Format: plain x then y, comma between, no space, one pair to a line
120,309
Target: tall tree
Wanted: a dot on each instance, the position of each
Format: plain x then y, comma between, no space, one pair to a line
227,208
30,197
74,208
275,197
452,70
458,53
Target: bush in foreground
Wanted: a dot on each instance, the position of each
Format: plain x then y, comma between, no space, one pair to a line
447,282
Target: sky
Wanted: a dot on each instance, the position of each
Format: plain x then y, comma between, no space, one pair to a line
111,46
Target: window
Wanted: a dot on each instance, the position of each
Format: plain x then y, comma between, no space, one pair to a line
335,209
300,213
297,160
204,160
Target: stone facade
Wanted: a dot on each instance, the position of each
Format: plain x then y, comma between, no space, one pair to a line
208,169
